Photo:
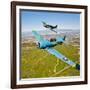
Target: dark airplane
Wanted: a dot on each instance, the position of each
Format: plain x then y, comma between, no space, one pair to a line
49,27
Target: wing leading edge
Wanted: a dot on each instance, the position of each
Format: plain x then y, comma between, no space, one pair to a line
37,36
60,56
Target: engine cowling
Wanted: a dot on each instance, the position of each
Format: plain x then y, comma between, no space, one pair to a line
44,44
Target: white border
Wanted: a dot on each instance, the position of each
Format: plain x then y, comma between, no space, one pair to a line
57,79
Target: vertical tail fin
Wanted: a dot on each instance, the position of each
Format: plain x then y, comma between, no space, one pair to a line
56,26
64,37
44,23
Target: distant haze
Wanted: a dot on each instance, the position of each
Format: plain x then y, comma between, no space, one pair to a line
47,32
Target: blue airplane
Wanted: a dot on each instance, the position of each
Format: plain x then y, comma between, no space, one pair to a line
47,45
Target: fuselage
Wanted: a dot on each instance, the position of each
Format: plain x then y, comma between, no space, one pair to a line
46,44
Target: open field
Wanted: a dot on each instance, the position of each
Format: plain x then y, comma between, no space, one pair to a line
38,63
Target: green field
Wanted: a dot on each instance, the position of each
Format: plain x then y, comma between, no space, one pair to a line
38,63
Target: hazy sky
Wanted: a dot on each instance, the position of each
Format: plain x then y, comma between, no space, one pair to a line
32,20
